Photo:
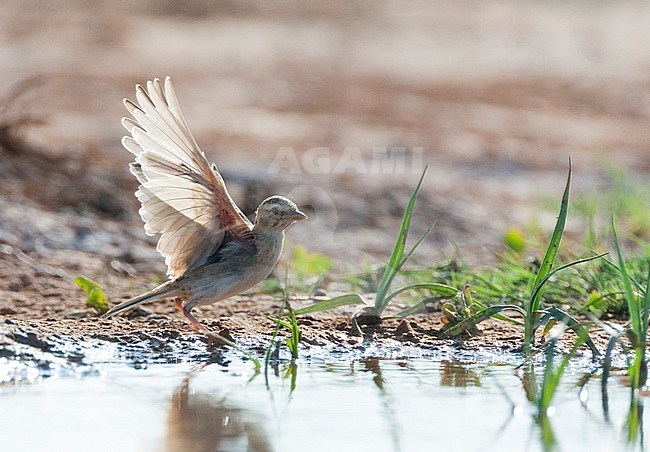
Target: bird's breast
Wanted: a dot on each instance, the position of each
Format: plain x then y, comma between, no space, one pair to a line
237,270
268,248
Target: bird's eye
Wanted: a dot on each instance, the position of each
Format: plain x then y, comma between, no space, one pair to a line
275,211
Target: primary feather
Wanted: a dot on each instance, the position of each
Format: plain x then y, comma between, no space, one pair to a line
183,198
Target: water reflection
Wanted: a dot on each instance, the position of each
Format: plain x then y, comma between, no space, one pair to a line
358,404
199,421
634,421
373,365
288,371
542,417
549,442
526,374
633,425
454,373
291,372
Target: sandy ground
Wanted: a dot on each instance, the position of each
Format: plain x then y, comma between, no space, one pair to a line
301,99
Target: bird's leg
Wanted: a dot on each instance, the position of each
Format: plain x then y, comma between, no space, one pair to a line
215,339
188,315
212,338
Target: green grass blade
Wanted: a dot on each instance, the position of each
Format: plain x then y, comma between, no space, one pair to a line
607,362
442,289
646,307
276,330
634,282
415,309
475,319
421,306
294,340
336,302
553,246
419,241
571,323
636,369
395,260
632,301
504,318
280,322
563,267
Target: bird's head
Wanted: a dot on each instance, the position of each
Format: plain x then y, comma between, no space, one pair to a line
277,213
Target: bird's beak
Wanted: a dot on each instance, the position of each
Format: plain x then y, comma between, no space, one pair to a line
298,216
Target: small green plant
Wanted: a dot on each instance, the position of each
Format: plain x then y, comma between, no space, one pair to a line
464,307
533,316
293,341
307,269
638,303
306,264
96,298
397,259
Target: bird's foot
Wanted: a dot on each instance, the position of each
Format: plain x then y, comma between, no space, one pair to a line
223,338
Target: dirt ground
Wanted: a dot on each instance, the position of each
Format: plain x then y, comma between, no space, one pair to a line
159,334
157,331
494,96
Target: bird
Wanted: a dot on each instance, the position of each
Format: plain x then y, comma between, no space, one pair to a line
211,249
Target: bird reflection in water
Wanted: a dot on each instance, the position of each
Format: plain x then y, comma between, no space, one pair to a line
200,421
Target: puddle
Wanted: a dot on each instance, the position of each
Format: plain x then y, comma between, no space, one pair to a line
114,401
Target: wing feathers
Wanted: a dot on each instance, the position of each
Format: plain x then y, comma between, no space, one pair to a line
175,108
131,146
184,199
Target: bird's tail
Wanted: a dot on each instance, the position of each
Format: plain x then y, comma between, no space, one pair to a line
162,290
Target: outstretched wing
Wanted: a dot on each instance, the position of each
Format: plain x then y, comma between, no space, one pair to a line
183,198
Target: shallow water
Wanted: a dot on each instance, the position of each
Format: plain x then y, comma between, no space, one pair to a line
324,402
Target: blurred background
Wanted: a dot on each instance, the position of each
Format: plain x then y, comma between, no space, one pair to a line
494,96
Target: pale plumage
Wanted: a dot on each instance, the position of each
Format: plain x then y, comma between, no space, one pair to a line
183,198
211,249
